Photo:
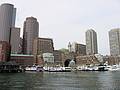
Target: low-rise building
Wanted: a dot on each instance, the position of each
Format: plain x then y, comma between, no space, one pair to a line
4,51
112,60
87,60
48,57
38,60
78,49
26,60
23,60
57,57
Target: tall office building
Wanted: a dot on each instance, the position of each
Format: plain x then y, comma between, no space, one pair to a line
30,32
14,17
7,21
91,42
114,41
15,40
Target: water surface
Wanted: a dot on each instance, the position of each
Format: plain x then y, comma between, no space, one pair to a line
60,81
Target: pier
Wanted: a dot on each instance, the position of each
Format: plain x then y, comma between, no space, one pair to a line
10,67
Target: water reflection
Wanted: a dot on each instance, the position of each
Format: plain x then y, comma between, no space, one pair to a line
61,81
107,81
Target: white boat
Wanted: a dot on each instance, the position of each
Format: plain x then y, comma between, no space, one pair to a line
30,68
113,68
34,68
57,69
92,68
66,69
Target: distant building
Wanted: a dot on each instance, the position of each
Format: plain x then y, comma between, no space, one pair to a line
7,21
38,60
81,49
114,41
112,60
42,45
69,47
48,58
57,57
77,48
87,60
26,60
4,51
91,42
30,32
15,40
21,46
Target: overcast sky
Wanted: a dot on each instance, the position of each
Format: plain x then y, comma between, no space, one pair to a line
67,20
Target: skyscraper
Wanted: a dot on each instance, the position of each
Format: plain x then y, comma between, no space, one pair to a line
91,42
7,20
14,17
114,41
30,32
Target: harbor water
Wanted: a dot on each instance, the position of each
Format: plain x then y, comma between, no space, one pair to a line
60,81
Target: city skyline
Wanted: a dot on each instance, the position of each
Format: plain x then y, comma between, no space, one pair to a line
67,20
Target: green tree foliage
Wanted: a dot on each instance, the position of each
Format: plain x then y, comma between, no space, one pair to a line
64,50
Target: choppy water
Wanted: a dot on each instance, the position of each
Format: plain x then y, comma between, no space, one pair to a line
60,81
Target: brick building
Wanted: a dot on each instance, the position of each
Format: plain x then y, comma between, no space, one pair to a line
4,51
87,60
26,60
112,60
22,59
43,45
38,59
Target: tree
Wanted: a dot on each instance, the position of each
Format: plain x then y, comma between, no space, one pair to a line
64,50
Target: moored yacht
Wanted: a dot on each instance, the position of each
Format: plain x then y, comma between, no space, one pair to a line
113,67
59,69
34,68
